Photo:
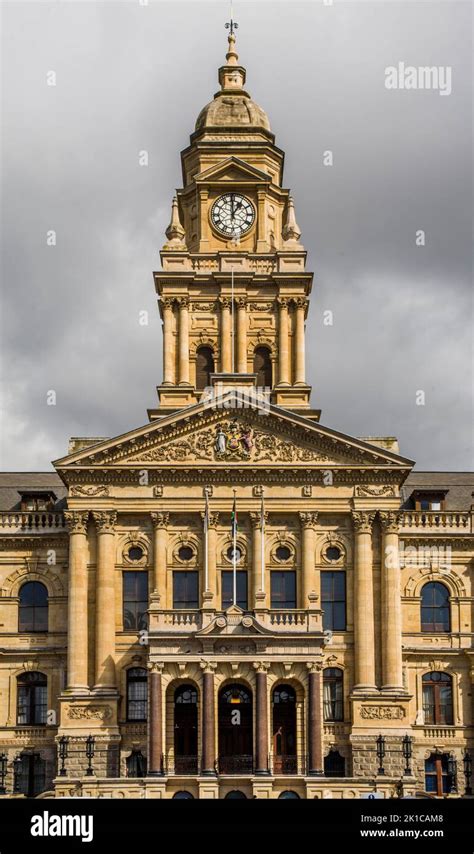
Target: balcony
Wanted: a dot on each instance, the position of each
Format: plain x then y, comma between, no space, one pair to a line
41,522
435,522
236,765
290,621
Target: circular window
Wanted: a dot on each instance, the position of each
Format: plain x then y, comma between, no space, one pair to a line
185,553
230,553
283,553
135,553
333,553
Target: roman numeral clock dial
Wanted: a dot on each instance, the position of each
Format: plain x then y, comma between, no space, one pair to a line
232,215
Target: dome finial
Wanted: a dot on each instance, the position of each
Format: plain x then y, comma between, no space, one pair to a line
232,56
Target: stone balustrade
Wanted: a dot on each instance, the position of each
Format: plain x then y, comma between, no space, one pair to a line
31,523
421,521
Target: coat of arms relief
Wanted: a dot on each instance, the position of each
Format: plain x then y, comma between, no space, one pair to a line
231,439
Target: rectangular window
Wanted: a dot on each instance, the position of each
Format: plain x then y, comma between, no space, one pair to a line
333,600
135,600
283,589
227,578
185,590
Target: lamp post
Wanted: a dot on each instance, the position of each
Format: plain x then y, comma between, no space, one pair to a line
3,772
17,765
407,754
380,753
63,746
452,771
467,763
90,745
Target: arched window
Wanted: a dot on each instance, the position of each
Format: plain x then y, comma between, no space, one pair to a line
33,612
32,699
204,367
235,794
136,694
437,777
333,694
262,366
185,730
288,795
183,796
334,764
136,764
437,698
284,730
435,615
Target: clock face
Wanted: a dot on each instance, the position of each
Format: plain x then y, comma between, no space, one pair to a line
232,215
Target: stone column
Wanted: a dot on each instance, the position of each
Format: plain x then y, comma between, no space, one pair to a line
77,635
315,720
183,303
392,679
300,305
256,556
155,720
160,541
308,524
211,559
261,718
208,720
169,355
364,631
242,335
226,336
105,601
283,342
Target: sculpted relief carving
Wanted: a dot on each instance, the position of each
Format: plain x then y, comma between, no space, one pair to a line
384,713
101,713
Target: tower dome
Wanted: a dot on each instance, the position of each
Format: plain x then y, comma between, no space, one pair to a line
232,106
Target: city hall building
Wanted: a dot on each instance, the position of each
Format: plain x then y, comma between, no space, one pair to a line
234,600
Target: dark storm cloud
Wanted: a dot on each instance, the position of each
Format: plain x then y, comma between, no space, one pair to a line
133,78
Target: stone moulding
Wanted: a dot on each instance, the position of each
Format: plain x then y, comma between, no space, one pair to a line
100,713
384,713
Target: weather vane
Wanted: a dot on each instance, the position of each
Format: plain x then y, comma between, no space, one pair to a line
231,25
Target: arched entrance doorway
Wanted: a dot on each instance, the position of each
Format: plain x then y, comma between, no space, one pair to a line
185,730
235,730
284,730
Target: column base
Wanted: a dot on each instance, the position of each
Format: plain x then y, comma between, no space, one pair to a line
262,773
155,774
106,690
77,691
315,774
208,774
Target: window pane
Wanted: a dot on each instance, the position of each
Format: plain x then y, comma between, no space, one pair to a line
135,600
283,589
431,783
227,578
328,616
185,590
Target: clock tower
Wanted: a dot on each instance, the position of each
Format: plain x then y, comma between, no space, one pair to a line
233,290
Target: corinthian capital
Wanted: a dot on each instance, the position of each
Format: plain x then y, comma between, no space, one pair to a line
76,521
224,302
261,666
183,302
208,666
390,521
363,521
160,520
105,521
256,519
308,520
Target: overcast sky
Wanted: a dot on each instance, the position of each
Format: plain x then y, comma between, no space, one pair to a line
134,77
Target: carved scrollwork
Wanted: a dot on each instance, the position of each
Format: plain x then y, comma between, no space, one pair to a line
385,713
374,491
100,713
90,491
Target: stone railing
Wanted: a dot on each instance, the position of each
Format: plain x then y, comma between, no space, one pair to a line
175,621
290,620
41,522
435,521
439,732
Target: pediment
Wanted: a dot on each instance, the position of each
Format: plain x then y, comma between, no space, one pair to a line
233,430
230,170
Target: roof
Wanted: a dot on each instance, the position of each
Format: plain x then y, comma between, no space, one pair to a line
12,483
458,485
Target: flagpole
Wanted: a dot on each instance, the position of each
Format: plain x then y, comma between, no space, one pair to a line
234,554
262,559
206,540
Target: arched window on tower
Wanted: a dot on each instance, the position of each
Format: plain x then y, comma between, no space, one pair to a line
204,367
262,366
